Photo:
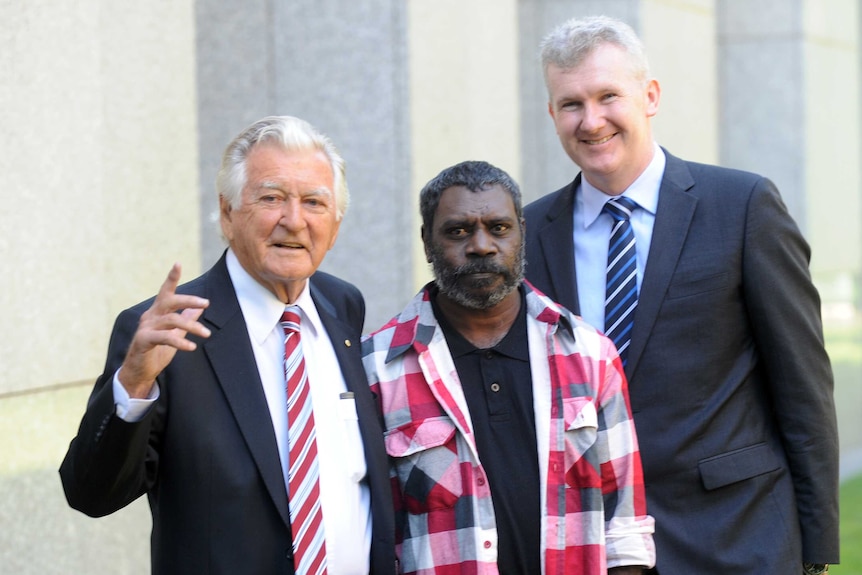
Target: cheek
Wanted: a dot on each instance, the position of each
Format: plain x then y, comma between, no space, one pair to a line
566,125
250,230
326,231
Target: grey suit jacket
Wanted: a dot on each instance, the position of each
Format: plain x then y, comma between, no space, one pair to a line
206,454
730,385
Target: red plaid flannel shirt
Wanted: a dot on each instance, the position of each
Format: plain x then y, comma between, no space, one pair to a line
594,510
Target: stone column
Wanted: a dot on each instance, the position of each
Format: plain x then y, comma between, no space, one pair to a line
342,67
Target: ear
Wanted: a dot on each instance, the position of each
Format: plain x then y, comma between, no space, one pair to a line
551,110
425,244
225,215
334,234
652,95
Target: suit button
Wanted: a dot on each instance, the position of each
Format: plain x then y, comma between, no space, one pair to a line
289,554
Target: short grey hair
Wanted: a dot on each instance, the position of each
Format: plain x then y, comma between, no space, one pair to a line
572,41
473,175
292,135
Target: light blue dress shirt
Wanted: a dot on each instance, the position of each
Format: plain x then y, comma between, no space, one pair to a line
592,229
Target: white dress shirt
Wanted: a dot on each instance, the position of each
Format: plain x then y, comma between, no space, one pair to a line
592,230
344,495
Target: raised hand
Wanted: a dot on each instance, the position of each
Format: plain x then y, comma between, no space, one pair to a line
161,333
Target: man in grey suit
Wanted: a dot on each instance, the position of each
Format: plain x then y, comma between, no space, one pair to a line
192,408
730,385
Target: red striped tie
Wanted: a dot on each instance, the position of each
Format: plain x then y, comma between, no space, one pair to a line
306,516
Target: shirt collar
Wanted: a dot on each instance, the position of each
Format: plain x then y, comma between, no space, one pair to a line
512,345
644,190
261,309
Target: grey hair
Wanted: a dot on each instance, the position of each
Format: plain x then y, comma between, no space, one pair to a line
289,133
572,41
473,175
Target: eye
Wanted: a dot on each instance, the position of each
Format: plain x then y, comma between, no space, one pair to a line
501,228
457,233
269,199
316,203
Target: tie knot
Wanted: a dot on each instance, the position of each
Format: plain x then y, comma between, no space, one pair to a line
290,319
620,208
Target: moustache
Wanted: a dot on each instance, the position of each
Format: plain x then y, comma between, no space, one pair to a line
479,267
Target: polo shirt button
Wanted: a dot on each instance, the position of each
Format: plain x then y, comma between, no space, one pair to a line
495,387
487,544
481,481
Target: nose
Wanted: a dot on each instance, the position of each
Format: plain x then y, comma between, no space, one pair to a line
291,215
592,118
481,243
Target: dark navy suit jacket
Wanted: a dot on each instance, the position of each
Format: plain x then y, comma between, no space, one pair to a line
730,385
206,454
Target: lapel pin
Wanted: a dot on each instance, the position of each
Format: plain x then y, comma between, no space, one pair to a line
347,342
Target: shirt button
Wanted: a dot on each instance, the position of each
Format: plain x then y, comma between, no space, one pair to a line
487,544
495,387
481,481
489,354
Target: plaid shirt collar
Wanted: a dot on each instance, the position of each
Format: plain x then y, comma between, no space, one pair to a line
416,324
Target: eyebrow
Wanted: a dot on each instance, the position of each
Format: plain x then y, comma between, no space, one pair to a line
321,191
471,221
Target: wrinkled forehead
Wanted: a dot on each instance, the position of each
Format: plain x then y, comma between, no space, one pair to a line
277,167
462,203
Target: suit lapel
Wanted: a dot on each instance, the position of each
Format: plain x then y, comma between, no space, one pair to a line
346,343
559,249
673,218
233,362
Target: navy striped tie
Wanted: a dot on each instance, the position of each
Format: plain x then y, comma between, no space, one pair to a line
621,297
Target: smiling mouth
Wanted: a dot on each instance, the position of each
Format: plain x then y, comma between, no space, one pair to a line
598,142
290,246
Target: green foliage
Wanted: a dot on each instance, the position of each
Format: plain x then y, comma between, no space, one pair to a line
851,529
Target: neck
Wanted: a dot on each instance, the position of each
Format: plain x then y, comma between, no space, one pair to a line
616,183
484,328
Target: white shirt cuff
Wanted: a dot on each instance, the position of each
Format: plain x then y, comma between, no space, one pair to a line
129,408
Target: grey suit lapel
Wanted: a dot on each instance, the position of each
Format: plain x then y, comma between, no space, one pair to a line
673,218
232,359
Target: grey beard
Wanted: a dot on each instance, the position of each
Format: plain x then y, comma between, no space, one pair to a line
447,279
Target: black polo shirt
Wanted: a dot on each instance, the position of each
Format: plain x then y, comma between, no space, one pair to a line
499,391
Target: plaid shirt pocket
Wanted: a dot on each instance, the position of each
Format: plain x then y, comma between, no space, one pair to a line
581,424
425,458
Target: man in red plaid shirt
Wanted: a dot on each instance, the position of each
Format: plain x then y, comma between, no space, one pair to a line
507,418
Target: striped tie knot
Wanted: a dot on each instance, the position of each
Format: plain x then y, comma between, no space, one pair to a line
620,208
290,320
